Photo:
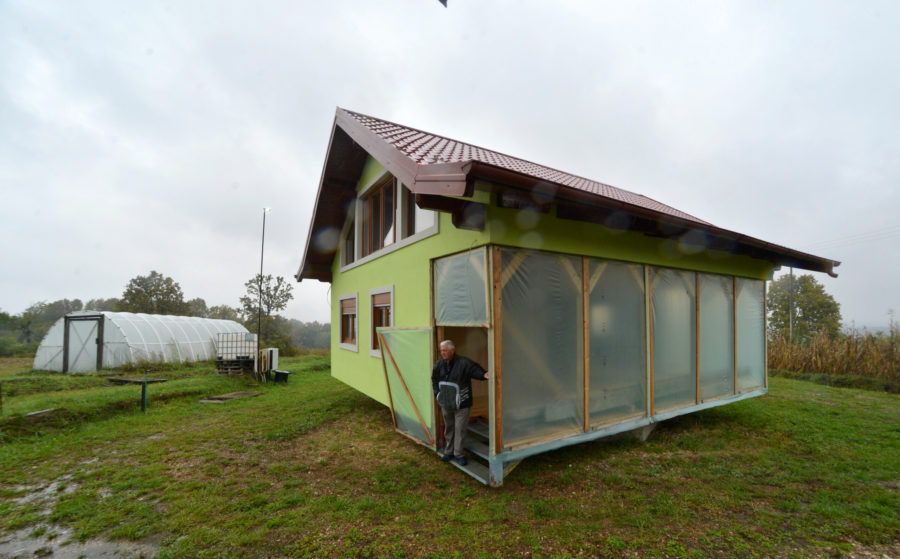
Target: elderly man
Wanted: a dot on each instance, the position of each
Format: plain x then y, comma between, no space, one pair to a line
451,382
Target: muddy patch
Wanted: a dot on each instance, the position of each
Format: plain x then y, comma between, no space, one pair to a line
53,541
48,540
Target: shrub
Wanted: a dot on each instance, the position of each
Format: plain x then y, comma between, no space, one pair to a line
858,354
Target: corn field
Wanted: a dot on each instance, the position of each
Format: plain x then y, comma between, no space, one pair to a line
855,354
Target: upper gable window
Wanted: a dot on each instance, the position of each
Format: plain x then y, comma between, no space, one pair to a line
384,218
379,216
348,242
417,219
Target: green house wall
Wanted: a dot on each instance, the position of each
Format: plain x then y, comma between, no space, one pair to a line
408,270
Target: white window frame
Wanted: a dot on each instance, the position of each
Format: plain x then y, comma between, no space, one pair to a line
341,344
399,223
350,228
372,292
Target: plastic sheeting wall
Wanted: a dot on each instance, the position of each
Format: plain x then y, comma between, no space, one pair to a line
541,339
617,347
542,345
674,339
460,290
409,350
751,341
716,336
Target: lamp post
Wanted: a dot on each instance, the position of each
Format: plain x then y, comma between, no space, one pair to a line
262,250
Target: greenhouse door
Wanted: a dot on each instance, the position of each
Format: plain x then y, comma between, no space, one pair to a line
83,344
406,356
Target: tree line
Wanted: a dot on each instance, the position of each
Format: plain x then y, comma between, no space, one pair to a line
156,293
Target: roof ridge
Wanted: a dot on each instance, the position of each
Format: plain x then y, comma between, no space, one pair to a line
489,150
571,178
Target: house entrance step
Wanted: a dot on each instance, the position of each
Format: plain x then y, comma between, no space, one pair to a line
477,470
478,447
480,428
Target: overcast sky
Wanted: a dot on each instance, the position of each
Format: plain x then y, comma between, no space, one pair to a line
139,136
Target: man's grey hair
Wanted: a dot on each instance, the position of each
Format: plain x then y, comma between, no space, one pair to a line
448,343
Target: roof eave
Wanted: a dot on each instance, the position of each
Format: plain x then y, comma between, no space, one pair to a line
676,226
337,184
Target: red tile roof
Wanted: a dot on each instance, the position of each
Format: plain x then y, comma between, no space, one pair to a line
426,149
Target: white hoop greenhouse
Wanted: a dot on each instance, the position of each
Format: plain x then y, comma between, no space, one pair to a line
90,341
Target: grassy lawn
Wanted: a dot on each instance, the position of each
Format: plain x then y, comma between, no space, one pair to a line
312,469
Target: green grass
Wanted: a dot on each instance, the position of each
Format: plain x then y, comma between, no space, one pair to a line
313,469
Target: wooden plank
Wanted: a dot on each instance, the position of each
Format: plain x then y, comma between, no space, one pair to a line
650,392
573,274
511,268
637,272
765,339
586,337
405,388
595,277
478,448
497,373
135,380
387,384
476,470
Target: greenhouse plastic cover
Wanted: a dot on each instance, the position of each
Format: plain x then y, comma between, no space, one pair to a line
130,338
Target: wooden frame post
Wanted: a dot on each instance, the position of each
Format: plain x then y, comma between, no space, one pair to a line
649,306
697,334
765,338
586,341
497,373
734,332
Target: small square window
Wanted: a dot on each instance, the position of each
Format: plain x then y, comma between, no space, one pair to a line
349,325
382,306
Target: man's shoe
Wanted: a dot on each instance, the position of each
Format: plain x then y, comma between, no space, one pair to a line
462,460
447,457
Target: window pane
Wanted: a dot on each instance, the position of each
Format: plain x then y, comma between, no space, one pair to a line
348,328
674,369
417,219
387,215
381,314
410,213
349,249
424,219
375,213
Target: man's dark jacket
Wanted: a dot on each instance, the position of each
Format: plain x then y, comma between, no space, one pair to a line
461,371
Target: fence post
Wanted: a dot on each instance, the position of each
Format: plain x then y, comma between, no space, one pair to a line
144,393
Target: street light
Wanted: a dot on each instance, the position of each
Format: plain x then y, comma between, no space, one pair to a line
262,250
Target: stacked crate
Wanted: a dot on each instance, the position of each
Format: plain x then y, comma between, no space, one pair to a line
235,353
